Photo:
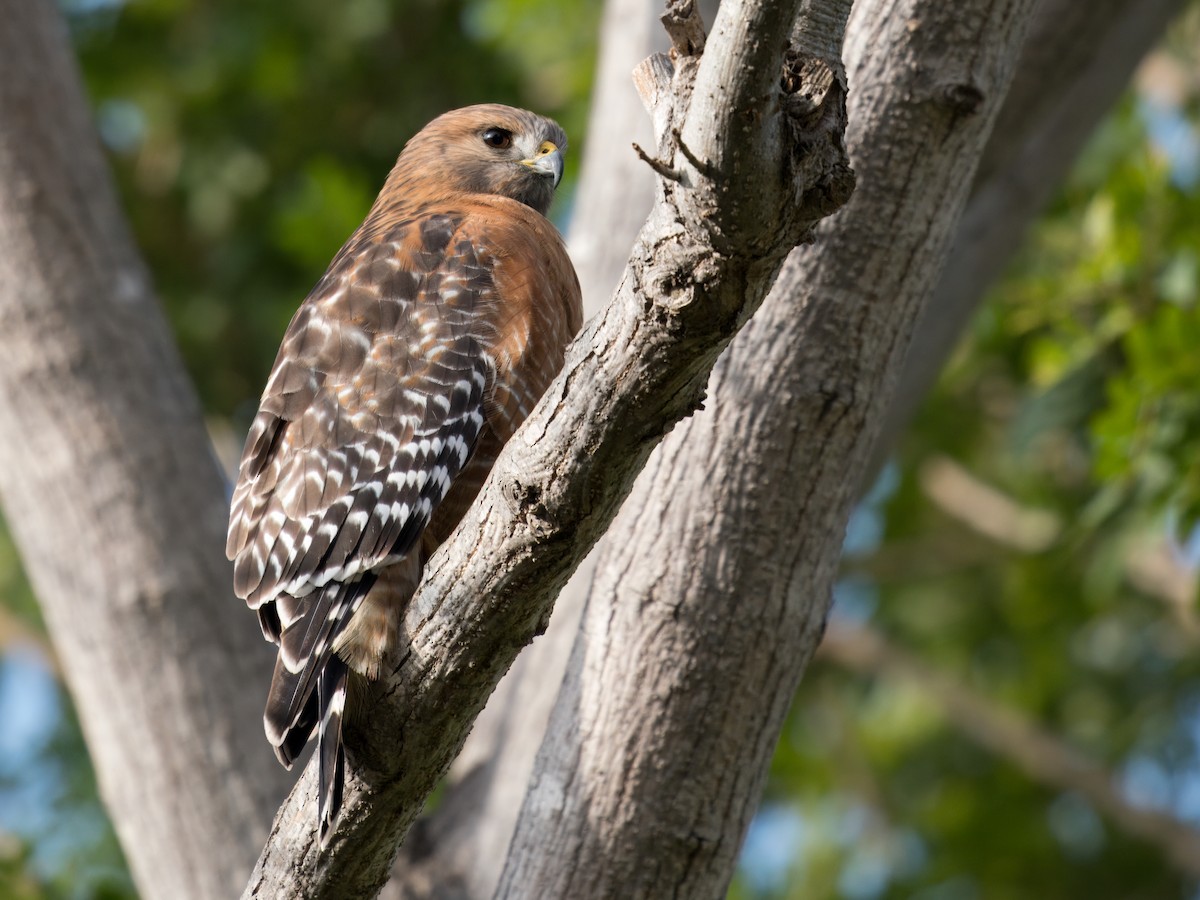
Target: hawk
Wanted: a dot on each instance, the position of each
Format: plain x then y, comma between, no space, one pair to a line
430,338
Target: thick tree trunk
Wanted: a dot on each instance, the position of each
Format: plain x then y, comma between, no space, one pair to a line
115,499
1067,78
716,576
751,151
103,446
1079,58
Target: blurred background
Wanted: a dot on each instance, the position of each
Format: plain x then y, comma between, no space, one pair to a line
1008,702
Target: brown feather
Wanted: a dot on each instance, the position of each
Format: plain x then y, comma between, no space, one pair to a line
430,338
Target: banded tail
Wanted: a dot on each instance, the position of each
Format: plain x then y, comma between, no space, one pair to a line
308,688
331,688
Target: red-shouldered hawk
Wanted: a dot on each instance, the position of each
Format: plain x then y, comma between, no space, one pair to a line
425,345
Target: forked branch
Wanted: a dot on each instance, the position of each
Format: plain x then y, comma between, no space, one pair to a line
705,259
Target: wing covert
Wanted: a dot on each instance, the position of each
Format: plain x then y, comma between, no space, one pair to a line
374,405
426,344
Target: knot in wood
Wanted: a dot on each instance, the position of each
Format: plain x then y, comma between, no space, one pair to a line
829,194
806,83
837,398
526,502
962,98
518,495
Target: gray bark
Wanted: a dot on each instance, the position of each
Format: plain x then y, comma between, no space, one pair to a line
1079,58
758,165
156,652
616,188
459,851
1067,78
715,578
114,498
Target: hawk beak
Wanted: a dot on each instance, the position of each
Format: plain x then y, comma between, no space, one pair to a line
548,161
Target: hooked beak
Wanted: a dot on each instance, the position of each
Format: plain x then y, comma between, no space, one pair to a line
548,161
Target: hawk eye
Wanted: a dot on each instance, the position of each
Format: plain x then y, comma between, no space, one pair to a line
498,138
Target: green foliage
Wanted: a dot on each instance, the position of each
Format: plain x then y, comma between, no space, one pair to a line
1147,435
1122,306
248,139
55,840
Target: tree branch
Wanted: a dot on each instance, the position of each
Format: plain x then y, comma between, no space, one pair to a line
1067,77
191,652
635,371
459,849
714,580
1039,754
114,497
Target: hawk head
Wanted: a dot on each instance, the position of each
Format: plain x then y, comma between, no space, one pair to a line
485,149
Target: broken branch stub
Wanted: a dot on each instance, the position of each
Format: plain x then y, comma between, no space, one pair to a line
799,170
700,267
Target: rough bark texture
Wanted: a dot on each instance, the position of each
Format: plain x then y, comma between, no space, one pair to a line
114,498
1067,78
715,580
1081,55
700,268
156,652
459,851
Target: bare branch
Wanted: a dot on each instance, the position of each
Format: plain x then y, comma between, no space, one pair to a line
1076,70
114,497
714,580
660,167
821,28
685,28
1036,752
634,372
986,510
459,850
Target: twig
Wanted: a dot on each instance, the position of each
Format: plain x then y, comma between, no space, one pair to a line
657,164
700,165
958,493
1042,756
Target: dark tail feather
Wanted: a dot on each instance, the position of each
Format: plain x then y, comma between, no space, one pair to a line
331,686
292,703
323,709
309,685
287,733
